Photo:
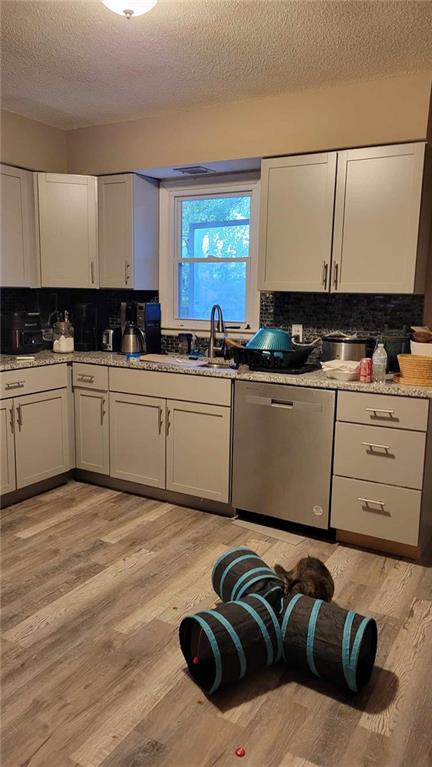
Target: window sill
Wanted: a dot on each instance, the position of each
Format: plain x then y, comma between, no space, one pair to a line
200,333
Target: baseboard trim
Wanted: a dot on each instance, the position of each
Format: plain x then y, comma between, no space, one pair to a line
16,496
167,496
378,544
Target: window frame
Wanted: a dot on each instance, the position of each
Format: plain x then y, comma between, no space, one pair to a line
171,192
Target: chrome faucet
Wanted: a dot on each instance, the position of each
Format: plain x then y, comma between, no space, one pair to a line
214,348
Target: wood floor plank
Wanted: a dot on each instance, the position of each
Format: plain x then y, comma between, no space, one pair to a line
95,584
153,511
51,617
410,655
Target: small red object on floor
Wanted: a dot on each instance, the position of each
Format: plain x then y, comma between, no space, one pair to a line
240,751
195,660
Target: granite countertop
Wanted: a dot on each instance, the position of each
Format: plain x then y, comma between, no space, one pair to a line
316,379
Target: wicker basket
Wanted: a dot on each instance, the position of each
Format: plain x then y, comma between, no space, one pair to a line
415,366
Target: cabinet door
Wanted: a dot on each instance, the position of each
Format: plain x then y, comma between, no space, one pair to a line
137,439
296,221
42,442
198,450
116,231
19,257
378,200
68,236
7,475
91,431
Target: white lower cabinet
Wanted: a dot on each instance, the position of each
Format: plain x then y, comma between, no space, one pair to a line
198,450
372,509
42,444
137,439
382,459
92,430
7,467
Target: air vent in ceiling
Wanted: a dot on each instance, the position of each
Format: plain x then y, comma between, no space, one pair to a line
194,170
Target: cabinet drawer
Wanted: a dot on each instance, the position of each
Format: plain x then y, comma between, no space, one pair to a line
382,511
171,386
390,456
90,376
14,383
383,410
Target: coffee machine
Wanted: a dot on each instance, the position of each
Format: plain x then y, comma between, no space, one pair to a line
85,321
147,317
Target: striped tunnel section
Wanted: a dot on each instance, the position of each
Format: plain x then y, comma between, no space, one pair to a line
237,638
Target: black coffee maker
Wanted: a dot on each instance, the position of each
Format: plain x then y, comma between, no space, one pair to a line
85,322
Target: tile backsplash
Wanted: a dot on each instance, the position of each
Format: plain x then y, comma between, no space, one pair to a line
318,312
321,313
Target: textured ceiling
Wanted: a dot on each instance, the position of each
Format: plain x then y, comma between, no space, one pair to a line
73,64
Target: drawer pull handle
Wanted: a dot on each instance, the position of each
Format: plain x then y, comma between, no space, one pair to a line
85,378
374,446
370,500
378,410
15,385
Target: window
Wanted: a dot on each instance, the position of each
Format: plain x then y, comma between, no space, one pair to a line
208,247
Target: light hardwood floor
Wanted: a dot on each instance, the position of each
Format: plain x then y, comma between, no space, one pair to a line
95,583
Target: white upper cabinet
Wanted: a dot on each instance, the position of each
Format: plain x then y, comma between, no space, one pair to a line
68,230
297,199
379,243
19,256
376,209
128,232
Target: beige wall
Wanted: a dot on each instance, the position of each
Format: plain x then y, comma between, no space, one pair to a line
31,144
375,112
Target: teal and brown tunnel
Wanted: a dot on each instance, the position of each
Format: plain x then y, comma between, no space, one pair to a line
234,639
239,572
327,641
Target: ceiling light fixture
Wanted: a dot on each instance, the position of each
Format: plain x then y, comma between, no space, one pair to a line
130,8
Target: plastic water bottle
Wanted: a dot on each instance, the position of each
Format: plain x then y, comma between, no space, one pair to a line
379,364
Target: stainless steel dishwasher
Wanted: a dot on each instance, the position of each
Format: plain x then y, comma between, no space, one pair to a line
283,444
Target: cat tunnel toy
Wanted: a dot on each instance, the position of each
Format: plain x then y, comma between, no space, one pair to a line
255,627
236,638
240,572
330,642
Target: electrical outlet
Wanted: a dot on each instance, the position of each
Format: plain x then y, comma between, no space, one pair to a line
297,330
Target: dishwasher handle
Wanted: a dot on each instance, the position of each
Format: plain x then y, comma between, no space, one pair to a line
285,404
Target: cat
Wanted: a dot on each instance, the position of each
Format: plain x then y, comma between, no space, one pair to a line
309,576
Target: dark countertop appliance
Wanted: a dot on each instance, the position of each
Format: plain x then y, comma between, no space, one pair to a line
21,333
396,342
85,321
